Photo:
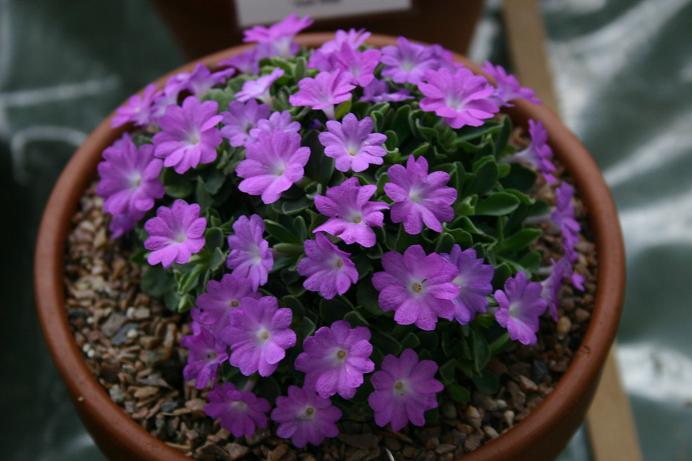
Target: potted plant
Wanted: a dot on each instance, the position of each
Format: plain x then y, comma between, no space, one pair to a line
325,246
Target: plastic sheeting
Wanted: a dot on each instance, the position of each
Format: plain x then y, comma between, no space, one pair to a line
623,70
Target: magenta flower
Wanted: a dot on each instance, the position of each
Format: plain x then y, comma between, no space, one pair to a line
563,218
405,388
245,63
137,109
460,97
220,298
168,97
359,64
279,37
322,58
201,79
305,417
129,183
329,270
351,214
474,282
538,154
550,287
277,122
419,288
507,86
352,144
419,198
273,163
188,135
259,334
520,306
205,355
175,234
335,359
323,92
259,88
240,119
250,256
406,62
239,412
378,91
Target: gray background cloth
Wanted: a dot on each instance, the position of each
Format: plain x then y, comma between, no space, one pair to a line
623,71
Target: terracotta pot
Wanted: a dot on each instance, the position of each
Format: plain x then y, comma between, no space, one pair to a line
203,27
541,436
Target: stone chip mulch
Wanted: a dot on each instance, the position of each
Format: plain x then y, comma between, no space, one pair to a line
131,343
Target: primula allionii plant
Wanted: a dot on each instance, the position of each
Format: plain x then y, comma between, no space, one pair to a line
351,229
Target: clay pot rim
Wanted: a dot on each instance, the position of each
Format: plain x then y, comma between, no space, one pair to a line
90,397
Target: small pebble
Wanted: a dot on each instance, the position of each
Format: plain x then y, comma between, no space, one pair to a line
564,325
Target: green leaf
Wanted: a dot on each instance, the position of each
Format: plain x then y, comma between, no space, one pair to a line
156,282
343,109
214,238
218,257
213,181
481,350
487,382
305,328
366,297
410,341
335,309
291,249
176,186
355,319
448,371
385,343
280,233
498,204
485,176
518,241
458,393
444,243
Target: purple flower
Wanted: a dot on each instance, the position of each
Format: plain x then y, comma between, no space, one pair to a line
279,37
188,135
205,355
273,163
419,288
201,79
538,154
323,92
259,88
168,97
137,109
220,298
406,62
259,334
129,183
507,86
353,144
245,63
322,58
329,270
239,412
563,218
175,234
359,64
520,307
250,255
277,122
305,417
460,97
351,214
419,198
240,119
335,359
474,282
550,287
405,388
378,91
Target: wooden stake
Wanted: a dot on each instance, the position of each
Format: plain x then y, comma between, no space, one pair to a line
609,421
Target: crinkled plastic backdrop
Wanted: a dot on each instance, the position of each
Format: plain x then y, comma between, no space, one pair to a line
623,71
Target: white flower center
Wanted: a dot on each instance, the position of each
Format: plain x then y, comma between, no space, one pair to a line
308,413
263,335
417,286
180,236
337,262
233,303
193,137
135,179
352,148
415,195
239,405
279,168
400,387
454,103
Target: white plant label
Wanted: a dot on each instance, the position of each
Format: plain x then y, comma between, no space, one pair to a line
252,12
